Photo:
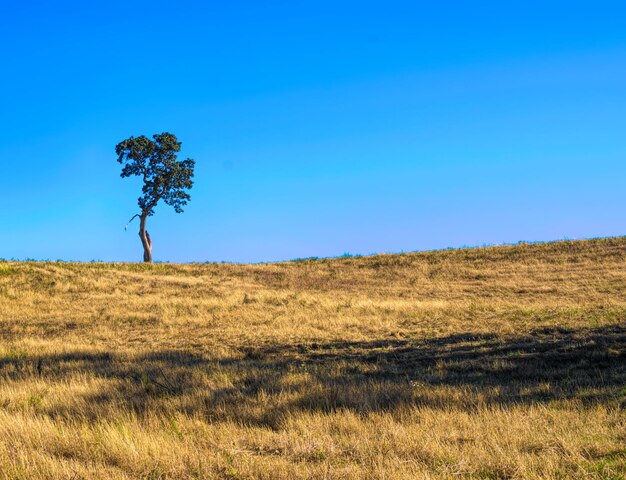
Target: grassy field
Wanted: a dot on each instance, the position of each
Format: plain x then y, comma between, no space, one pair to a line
491,363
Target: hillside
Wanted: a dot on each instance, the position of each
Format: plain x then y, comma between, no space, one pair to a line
499,362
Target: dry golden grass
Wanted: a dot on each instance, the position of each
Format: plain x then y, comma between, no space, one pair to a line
503,362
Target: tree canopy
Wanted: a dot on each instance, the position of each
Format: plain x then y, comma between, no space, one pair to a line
164,176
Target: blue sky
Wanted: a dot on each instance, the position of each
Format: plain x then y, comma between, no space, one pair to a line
318,128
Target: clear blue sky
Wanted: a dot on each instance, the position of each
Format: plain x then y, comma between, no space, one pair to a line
318,128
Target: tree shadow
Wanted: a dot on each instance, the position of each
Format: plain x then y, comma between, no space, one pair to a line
261,385
465,371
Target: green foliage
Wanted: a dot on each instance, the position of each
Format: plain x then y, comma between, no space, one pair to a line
164,176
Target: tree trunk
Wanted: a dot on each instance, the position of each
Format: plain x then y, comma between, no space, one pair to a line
146,241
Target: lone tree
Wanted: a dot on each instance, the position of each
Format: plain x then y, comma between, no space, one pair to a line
164,177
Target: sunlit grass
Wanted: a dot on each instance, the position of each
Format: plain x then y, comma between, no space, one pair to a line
502,362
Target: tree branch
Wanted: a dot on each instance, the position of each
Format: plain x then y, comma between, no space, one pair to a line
134,216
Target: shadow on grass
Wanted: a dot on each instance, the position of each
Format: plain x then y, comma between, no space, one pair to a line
261,385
